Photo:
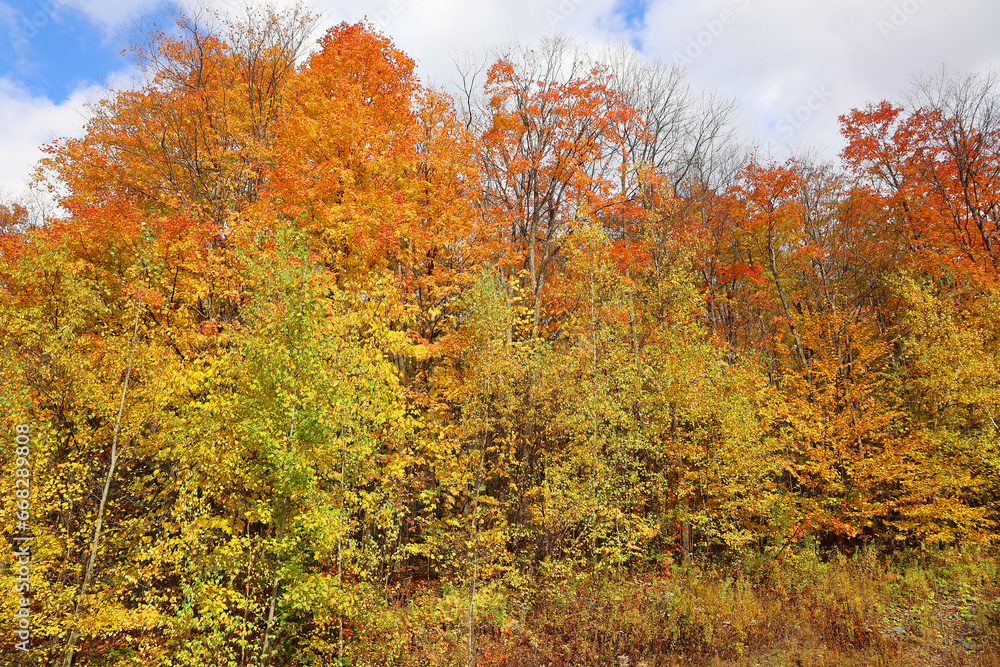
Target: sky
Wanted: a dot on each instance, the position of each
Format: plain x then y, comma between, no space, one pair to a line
793,65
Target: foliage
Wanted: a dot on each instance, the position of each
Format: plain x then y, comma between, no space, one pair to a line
323,366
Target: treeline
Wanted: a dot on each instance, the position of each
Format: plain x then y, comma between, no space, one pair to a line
306,328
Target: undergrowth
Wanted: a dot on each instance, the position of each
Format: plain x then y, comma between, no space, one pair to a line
927,608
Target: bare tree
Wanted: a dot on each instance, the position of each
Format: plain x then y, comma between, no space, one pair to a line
682,134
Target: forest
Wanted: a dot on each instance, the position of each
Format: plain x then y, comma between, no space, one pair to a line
315,364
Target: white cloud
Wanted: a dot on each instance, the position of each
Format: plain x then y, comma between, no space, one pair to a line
432,32
112,15
775,54
8,17
27,122
792,64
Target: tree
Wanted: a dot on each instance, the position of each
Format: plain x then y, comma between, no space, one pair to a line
936,163
196,139
551,140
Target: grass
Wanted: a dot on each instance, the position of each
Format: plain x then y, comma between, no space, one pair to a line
926,608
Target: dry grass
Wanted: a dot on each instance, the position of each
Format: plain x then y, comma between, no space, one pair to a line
929,609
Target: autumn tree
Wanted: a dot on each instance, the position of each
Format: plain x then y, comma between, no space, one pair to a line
195,139
551,136
935,162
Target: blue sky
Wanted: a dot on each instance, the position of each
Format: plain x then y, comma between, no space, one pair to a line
633,13
53,54
793,65
53,48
